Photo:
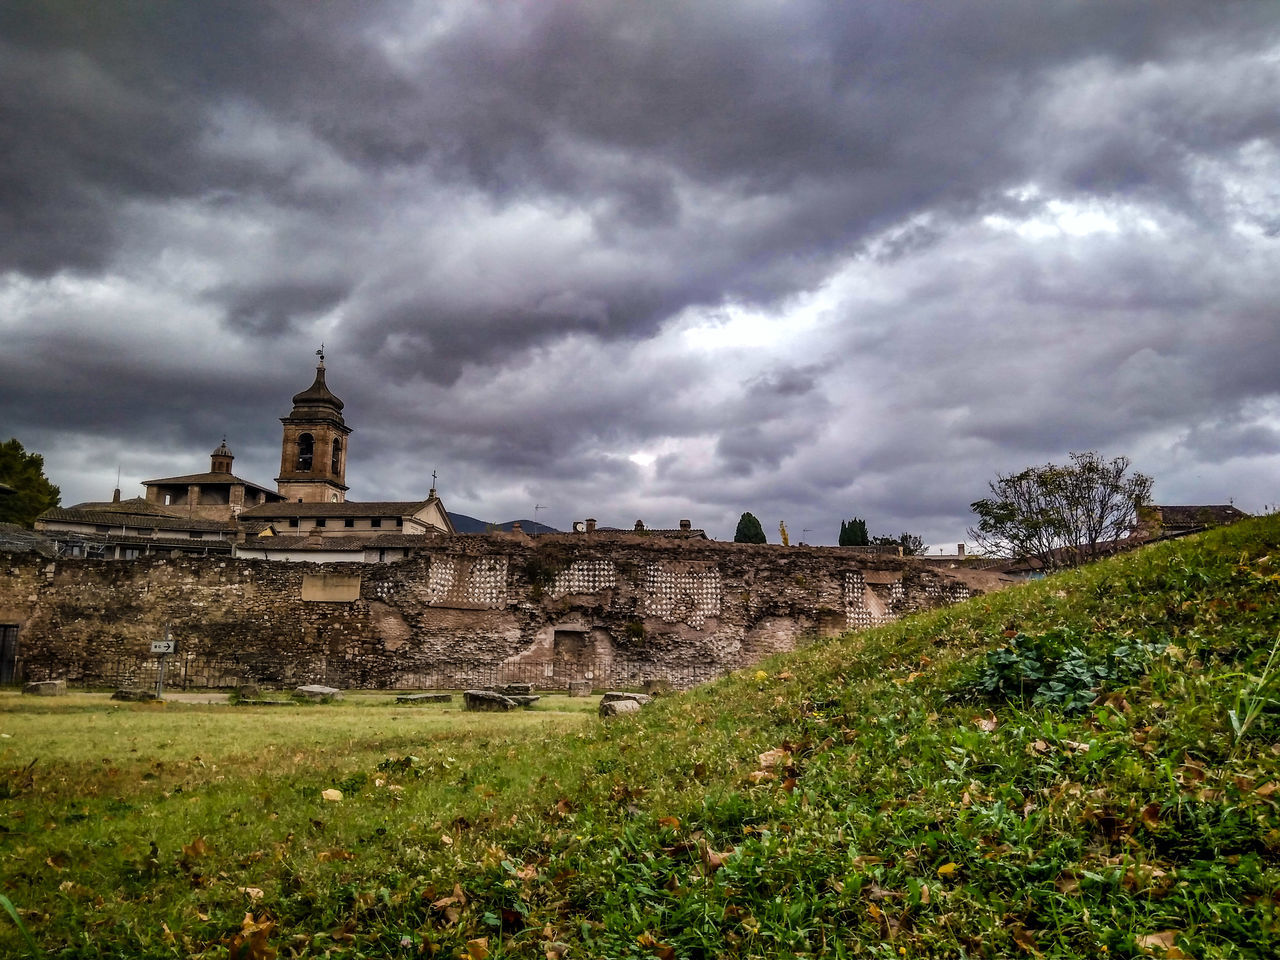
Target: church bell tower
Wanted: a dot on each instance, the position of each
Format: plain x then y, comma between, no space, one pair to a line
313,455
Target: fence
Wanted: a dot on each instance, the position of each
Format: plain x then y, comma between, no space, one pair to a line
183,673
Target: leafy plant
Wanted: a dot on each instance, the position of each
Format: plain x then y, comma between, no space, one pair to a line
10,909
1254,696
1054,669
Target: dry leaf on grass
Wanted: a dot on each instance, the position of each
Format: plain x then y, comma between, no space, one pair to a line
1162,944
251,942
988,723
478,949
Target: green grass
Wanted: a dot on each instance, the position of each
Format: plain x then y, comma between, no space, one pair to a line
901,792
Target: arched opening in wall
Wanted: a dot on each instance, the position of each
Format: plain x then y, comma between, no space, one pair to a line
8,651
306,450
337,456
571,644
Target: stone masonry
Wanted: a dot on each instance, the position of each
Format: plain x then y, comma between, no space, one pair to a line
685,609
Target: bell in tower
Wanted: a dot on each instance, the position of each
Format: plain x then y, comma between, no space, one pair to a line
313,455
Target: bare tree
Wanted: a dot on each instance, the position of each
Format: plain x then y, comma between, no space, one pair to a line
1063,515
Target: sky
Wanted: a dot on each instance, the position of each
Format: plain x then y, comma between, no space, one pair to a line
658,261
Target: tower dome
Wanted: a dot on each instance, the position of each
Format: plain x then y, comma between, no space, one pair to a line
220,459
313,454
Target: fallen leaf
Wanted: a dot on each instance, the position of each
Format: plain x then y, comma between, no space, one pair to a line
772,758
1162,944
672,822
251,942
1267,789
988,723
253,893
478,949
760,776
948,869
324,856
556,950
196,848
332,795
1023,938
1151,816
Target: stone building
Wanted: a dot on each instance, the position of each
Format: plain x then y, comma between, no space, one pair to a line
307,516
216,495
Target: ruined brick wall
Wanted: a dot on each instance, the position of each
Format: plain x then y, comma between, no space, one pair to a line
684,610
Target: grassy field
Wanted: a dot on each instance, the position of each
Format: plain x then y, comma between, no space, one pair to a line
1086,766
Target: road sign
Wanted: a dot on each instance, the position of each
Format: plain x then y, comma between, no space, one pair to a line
163,646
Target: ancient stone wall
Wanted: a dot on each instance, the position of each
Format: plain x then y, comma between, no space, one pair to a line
681,610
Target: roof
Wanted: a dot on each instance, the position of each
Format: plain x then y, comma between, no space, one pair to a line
1208,515
210,478
16,539
326,544
150,519
348,508
136,506
154,544
669,533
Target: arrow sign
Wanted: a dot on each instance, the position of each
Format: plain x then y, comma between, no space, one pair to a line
163,646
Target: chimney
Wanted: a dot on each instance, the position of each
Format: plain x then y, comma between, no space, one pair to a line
639,526
686,525
959,549
591,524
115,497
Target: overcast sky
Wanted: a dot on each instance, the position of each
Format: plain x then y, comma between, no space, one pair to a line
648,260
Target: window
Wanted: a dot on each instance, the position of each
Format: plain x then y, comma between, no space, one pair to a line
130,553
399,521
168,499
293,521
348,522
337,456
319,521
375,522
306,449
195,535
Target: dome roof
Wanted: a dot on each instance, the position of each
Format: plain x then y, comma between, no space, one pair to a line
223,450
317,395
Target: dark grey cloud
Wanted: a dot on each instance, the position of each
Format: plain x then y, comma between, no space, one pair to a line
673,257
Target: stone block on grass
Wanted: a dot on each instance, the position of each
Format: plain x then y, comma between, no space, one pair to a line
425,698
615,695
318,693
46,688
516,689
579,688
489,700
134,695
618,708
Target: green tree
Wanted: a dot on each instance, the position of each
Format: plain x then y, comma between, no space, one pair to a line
912,546
749,530
1062,515
33,493
854,533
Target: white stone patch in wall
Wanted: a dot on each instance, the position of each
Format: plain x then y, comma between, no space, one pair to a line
856,614
585,576
681,596
487,584
440,577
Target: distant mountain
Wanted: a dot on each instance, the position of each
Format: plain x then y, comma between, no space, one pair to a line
464,524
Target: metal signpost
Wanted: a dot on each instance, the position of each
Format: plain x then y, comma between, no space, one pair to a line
165,648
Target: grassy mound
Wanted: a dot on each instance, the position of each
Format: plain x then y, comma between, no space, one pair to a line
1084,766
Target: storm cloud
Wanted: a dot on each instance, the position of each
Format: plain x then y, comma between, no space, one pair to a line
653,260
